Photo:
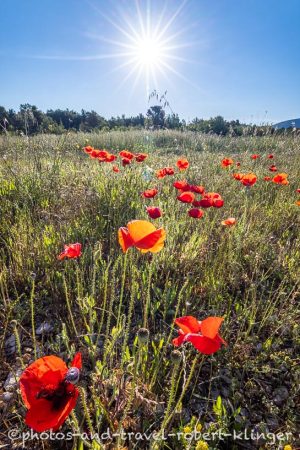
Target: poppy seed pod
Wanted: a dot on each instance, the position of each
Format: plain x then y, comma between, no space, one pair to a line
176,356
143,335
73,375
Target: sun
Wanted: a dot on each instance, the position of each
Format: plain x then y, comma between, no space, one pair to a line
149,52
147,47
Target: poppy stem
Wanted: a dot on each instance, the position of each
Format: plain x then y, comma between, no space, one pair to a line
148,295
122,289
69,307
31,299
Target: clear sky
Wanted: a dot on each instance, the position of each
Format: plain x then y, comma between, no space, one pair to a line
236,58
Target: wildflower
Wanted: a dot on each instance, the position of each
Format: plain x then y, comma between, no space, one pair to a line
197,189
297,203
186,197
211,199
187,429
49,392
226,162
273,168
249,179
229,222
270,156
161,173
182,164
196,203
88,149
169,170
195,213
125,161
288,447
255,156
126,154
202,445
70,251
298,190
154,212
238,176
116,169
150,193
110,158
267,178
281,178
140,157
238,164
143,235
203,335
181,185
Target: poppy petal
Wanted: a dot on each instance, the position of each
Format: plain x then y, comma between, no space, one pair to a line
151,240
188,324
125,239
210,326
77,361
138,229
203,344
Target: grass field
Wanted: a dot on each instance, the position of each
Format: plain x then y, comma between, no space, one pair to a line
52,193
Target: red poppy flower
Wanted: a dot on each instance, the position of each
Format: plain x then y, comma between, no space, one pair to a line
238,164
126,161
48,391
149,193
140,157
196,203
116,169
195,213
181,185
169,170
226,162
186,197
270,156
273,168
229,222
204,336
102,155
71,251
211,199
238,176
249,179
126,154
161,173
154,212
143,235
281,178
197,189
298,190
110,157
267,178
297,203
182,164
255,156
94,153
88,149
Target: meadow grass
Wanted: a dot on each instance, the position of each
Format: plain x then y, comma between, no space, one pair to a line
52,194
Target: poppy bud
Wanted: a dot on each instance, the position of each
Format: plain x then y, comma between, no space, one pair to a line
73,375
14,323
176,356
143,335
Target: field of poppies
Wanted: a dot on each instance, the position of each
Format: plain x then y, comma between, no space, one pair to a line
149,286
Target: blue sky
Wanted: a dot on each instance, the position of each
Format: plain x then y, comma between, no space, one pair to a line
237,58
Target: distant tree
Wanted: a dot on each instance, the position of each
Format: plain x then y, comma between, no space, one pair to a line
156,116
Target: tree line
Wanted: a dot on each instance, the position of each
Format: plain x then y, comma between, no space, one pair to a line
30,120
